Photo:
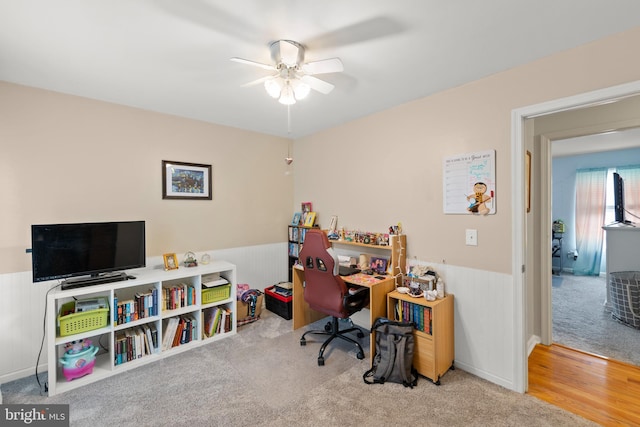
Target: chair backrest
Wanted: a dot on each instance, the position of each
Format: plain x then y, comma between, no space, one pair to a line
324,290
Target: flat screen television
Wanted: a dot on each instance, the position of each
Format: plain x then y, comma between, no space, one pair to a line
618,197
62,251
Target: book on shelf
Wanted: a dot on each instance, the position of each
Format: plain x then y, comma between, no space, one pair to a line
178,296
148,339
142,305
419,315
168,332
212,319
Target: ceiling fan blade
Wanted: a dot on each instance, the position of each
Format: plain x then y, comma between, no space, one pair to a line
332,65
317,84
287,52
258,81
255,64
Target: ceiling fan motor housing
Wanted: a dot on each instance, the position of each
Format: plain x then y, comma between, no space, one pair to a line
287,52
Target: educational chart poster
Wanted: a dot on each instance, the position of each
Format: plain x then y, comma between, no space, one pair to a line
470,183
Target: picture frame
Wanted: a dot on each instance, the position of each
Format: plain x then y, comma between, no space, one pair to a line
527,168
310,219
334,224
297,217
379,265
306,207
170,261
190,181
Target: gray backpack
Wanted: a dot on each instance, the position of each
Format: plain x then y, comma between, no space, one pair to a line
393,359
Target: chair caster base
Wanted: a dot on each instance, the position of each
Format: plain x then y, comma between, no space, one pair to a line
360,355
320,361
303,342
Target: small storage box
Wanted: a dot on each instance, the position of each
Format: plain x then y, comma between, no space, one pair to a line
76,323
278,304
217,293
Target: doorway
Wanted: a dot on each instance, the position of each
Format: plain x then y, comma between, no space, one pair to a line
531,263
579,317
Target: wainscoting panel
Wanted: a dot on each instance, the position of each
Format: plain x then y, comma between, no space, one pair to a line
483,317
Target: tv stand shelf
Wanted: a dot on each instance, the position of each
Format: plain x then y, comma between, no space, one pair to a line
111,338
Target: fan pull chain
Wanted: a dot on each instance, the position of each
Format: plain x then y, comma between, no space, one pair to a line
289,120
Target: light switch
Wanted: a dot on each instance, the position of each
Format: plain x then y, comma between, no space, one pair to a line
472,237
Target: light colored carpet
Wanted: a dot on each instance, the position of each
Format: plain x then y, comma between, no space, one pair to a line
580,320
263,377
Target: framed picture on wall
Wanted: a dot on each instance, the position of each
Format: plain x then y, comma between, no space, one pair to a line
186,181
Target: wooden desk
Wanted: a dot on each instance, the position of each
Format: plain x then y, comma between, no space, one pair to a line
303,315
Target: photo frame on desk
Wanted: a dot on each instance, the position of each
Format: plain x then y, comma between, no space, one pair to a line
379,265
170,261
310,219
297,217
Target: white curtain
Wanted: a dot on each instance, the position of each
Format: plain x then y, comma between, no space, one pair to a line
631,177
591,185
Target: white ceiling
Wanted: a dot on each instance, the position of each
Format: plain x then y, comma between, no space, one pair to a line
172,56
609,141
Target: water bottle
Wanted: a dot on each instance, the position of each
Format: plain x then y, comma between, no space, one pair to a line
440,288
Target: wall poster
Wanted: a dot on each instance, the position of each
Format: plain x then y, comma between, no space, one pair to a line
470,183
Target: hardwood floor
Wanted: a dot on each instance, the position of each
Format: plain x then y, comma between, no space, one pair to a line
602,390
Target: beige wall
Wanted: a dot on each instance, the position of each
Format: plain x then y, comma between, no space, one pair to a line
387,167
70,159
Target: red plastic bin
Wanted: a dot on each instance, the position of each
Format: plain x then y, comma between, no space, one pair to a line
280,305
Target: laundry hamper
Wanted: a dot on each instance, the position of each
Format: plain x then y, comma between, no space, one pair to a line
625,297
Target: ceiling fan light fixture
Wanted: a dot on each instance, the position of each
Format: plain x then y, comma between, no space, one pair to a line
287,97
273,87
301,89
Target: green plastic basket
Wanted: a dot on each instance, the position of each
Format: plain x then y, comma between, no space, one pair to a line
76,323
217,293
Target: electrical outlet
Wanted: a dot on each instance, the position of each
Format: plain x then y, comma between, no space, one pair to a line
472,237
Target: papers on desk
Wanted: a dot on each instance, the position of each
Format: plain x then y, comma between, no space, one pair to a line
363,279
210,283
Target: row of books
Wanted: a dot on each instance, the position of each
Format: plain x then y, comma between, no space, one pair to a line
419,315
178,296
179,330
142,305
294,249
134,343
297,234
217,320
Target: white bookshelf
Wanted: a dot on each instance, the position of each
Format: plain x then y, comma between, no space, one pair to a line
105,337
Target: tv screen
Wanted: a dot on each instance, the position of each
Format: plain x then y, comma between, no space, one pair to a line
618,197
61,251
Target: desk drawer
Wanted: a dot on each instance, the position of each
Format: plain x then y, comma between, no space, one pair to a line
423,356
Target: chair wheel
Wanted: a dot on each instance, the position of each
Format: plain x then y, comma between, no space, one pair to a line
327,327
360,334
320,361
360,355
303,342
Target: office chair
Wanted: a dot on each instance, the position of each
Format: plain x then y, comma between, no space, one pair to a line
326,292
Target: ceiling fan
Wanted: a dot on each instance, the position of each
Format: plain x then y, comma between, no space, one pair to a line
293,78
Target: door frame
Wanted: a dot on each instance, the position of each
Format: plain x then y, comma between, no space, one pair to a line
522,246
